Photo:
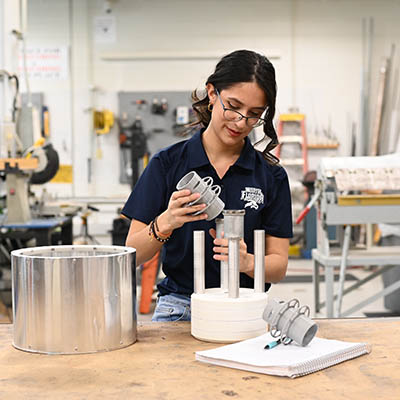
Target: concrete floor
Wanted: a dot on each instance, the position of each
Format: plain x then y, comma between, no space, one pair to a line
301,270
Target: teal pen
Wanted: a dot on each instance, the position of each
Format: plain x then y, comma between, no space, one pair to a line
271,345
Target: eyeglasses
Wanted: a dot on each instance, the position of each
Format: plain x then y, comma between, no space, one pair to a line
235,116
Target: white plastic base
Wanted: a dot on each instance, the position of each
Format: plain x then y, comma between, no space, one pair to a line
218,318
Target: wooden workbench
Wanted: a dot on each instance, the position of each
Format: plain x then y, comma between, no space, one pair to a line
161,365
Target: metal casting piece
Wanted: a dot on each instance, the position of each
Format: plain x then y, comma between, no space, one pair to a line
290,321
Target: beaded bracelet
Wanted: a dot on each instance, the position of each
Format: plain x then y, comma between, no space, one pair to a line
153,233
158,229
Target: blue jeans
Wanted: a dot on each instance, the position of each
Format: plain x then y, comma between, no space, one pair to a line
172,307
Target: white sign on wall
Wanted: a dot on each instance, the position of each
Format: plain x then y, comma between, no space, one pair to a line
105,29
45,62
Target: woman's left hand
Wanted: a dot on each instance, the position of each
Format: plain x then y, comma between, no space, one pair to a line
221,252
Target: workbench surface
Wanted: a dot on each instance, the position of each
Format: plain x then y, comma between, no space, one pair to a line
161,365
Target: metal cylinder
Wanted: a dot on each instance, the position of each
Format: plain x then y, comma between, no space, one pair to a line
234,268
259,261
74,299
219,223
234,224
198,262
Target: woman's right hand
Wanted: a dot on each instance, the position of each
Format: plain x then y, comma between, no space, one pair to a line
178,212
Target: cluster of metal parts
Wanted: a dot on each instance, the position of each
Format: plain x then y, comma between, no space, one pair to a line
208,194
290,322
344,201
232,227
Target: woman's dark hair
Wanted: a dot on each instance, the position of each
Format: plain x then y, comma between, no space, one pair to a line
237,67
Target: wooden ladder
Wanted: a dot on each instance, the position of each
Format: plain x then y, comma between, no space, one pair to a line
292,133
293,155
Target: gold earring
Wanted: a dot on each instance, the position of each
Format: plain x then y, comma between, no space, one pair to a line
210,107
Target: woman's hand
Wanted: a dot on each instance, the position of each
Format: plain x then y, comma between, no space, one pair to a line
178,211
220,248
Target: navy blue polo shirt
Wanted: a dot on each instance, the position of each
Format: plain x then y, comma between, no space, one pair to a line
252,184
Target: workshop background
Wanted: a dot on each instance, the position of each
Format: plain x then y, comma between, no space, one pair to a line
110,62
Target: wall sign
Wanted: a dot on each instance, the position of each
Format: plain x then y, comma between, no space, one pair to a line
45,62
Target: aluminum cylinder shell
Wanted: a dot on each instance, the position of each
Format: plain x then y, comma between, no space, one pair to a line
234,224
234,268
198,262
259,261
219,224
74,299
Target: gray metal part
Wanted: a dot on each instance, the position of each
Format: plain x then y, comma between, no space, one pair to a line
18,209
37,99
234,224
287,319
339,215
25,122
155,140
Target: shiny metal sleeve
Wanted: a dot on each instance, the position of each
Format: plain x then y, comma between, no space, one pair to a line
219,227
234,268
198,262
259,261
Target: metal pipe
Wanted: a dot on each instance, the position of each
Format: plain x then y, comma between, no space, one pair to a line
343,265
234,267
259,261
234,224
233,231
219,224
198,262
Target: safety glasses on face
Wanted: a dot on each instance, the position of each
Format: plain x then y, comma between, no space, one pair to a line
235,116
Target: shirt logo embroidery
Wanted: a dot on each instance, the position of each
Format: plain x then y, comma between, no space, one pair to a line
253,197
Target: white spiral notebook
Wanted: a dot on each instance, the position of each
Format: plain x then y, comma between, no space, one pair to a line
284,360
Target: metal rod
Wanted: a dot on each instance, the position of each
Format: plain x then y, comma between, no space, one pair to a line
219,223
198,262
259,261
343,265
233,265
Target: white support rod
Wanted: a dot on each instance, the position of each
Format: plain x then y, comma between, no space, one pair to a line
198,262
259,261
234,267
219,227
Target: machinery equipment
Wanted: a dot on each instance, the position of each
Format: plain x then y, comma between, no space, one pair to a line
352,191
39,166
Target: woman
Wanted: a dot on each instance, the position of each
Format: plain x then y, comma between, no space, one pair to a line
240,95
